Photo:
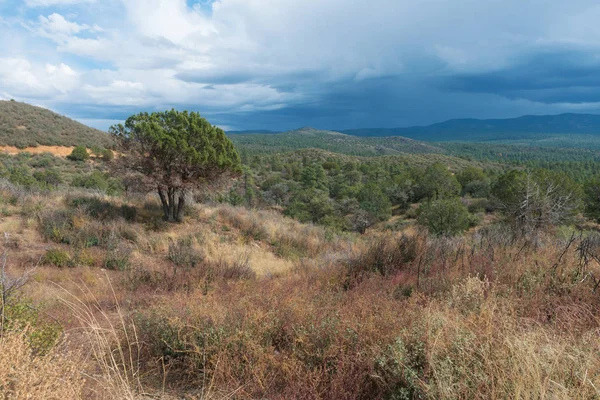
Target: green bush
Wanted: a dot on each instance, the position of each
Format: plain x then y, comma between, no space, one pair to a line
447,217
79,153
108,155
58,258
21,176
93,180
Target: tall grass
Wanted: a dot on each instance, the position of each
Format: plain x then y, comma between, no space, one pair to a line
112,343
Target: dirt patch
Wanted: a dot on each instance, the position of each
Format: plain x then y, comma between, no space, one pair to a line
58,151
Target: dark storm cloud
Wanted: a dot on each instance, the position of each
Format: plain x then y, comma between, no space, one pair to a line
549,76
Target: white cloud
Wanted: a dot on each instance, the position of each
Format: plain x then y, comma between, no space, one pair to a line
21,78
49,3
249,55
57,24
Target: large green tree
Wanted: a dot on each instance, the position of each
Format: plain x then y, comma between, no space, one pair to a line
437,183
173,153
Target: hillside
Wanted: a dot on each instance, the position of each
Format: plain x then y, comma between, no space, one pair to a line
23,125
492,129
331,141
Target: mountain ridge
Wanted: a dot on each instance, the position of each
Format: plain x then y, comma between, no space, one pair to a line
475,129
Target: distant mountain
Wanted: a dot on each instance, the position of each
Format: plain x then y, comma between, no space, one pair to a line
313,132
492,129
23,125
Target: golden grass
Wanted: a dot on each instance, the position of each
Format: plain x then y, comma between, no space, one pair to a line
24,375
479,317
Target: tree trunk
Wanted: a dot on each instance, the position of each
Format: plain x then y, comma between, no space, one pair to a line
180,207
165,203
171,192
173,203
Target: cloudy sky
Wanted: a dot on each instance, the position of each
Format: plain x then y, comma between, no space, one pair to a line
282,64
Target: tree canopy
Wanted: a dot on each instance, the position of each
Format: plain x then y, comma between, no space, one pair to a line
174,152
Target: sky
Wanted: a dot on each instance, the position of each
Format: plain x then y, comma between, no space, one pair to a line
283,64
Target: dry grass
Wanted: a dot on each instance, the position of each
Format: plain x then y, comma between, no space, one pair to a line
25,375
318,316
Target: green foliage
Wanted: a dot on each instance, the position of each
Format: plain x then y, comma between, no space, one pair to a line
474,182
22,176
79,153
93,180
372,200
592,199
447,217
107,155
42,335
437,183
174,151
534,200
330,141
58,258
48,178
310,206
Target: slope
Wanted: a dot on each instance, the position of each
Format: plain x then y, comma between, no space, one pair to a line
23,125
331,141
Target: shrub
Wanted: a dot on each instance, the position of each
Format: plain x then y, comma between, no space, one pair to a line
58,258
94,180
384,256
117,258
117,253
79,153
108,155
48,178
444,217
22,176
56,225
183,254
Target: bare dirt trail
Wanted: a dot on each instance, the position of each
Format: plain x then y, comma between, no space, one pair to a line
58,151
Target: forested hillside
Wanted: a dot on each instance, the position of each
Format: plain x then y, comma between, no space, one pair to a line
328,140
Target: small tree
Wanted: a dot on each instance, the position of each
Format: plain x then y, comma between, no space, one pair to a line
536,200
446,217
174,152
592,199
474,182
79,153
375,202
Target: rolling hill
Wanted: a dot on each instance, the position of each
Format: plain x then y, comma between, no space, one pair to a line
23,125
331,141
525,127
